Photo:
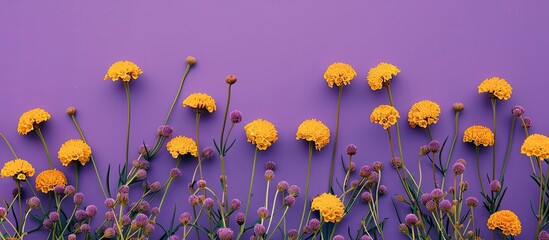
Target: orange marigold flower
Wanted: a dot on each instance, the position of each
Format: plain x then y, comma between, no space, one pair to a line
262,133
315,131
18,169
339,74
182,145
506,221
479,135
536,145
125,70
49,179
423,113
200,101
496,87
330,206
385,115
74,150
381,74
30,119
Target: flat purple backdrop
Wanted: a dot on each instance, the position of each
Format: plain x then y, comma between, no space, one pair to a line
54,55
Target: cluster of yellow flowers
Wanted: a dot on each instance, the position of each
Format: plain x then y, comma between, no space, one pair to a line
48,179
314,130
29,119
339,74
125,70
18,169
330,206
479,135
181,145
200,101
536,145
385,115
381,74
496,87
262,133
506,221
423,113
74,150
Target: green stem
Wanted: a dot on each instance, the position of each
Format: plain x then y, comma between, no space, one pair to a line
478,171
306,196
127,88
495,138
20,203
177,94
39,133
168,185
76,170
508,150
91,156
456,118
249,194
198,113
9,145
396,125
222,150
332,164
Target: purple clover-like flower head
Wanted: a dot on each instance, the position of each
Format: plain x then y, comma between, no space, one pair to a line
225,233
270,165
58,190
69,189
165,131
259,229
71,236
314,224
425,198
527,122
495,186
269,175
110,203
124,189
80,215
365,237
126,220
411,219
240,218
175,173
366,196
351,149
236,116
208,203
155,211
193,200
109,216
235,204
143,149
294,190
33,202
141,174
207,152
109,232
2,212
262,212
78,198
543,235
517,111
282,186
185,218
148,229
289,201
91,210
434,146
292,234
382,190
54,216
365,171
458,168
445,205
155,186
173,237
437,194
377,165
85,228
47,223
201,184
431,206
141,220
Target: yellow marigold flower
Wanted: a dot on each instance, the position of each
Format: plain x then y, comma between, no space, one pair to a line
381,74
536,145
385,115
496,87
48,179
262,133
423,113
330,206
479,135
182,145
125,70
506,221
30,119
339,74
18,169
200,101
314,130
74,150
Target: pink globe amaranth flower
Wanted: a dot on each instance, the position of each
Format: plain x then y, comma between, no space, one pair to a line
382,190
365,171
351,149
289,201
377,165
175,173
495,186
471,201
71,236
109,232
411,219
282,186
259,229
306,229
262,212
270,165
527,122
207,152
86,228
141,220
292,234
543,235
126,220
80,215
294,190
458,168
236,116
69,189
185,218
396,162
78,198
314,224
155,211
48,224
366,197
431,206
173,237
2,212
53,216
141,174
109,216
437,194
235,204
143,149
109,202
193,200
434,146
201,184
517,111
148,229
208,203
225,233
425,198
445,205
59,190
269,175
240,218
33,202
124,189
165,131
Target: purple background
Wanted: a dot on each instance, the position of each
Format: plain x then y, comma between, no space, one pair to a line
54,55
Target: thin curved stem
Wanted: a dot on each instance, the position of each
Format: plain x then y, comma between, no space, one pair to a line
249,194
478,171
512,130
198,113
39,133
127,88
306,196
332,163
456,118
177,94
396,125
495,139
9,145
222,150
76,170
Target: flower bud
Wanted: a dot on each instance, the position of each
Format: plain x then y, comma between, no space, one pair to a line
230,79
190,60
71,111
458,107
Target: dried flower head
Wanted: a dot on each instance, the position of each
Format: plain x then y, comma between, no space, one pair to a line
31,119
230,79
48,179
125,70
536,145
17,169
71,111
207,152
315,131
330,207
381,75
423,113
190,60
479,135
385,115
458,107
200,101
261,133
496,87
339,74
181,145
74,150
506,221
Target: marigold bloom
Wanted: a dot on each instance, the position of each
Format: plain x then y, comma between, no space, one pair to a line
182,145
536,145
49,179
479,135
384,115
506,221
262,133
30,118
496,87
74,150
381,74
330,207
200,101
423,113
18,169
339,74
314,130
125,70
